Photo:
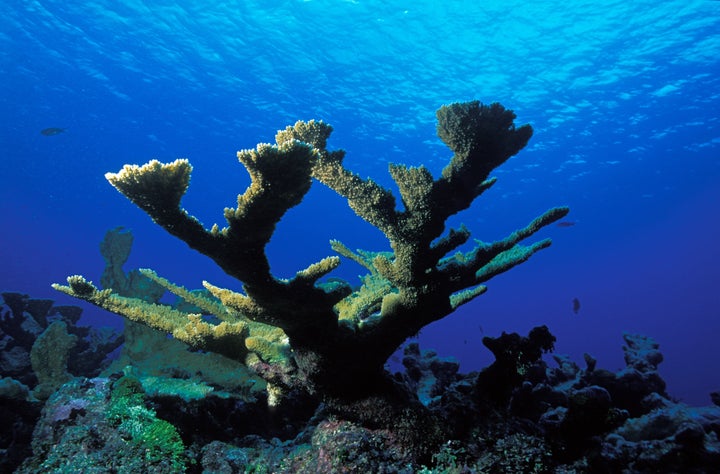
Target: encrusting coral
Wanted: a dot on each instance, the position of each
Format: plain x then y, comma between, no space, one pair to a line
321,336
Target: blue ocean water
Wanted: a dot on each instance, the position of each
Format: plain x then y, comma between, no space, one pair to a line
624,97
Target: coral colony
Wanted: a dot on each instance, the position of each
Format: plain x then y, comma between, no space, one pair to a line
316,338
325,338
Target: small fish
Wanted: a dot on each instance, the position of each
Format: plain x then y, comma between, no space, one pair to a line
566,223
576,305
49,132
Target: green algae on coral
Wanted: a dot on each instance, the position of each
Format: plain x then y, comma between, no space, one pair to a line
159,439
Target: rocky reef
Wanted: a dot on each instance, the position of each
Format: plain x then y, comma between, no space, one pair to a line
521,417
41,347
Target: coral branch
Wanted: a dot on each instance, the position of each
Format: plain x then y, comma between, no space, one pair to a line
226,338
205,304
154,187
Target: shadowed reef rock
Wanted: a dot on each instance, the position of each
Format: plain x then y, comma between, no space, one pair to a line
553,420
41,348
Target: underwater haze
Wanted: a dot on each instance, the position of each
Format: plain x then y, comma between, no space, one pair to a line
623,96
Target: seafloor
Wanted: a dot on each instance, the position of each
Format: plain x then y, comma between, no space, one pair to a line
81,399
